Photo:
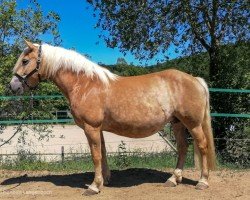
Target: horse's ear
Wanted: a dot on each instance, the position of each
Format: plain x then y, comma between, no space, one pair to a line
29,44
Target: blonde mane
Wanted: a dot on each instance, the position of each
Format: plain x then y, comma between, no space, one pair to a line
57,58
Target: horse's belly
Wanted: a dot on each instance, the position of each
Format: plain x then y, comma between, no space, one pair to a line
137,125
135,132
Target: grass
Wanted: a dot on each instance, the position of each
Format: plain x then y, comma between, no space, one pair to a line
117,161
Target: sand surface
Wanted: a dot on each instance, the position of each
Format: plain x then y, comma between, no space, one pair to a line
141,184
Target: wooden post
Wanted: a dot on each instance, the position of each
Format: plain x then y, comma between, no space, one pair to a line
197,157
62,153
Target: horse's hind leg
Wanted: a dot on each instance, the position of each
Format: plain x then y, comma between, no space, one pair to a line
182,145
201,141
105,168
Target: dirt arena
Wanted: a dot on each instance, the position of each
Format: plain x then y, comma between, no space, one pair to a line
144,184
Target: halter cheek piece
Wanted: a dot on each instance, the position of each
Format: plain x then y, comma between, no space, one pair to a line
24,79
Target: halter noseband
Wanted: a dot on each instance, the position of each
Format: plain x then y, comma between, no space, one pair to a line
24,79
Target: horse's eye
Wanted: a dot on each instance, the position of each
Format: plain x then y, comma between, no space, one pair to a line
25,61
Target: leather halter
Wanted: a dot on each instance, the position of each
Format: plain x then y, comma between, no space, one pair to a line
24,79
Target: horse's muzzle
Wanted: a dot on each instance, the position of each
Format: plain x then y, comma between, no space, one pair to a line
16,86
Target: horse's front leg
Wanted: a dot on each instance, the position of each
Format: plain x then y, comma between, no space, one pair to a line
93,135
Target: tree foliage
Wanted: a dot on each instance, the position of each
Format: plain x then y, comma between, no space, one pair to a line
148,27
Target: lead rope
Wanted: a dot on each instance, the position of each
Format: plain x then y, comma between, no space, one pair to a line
19,127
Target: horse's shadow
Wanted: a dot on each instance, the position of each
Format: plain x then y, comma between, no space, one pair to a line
120,178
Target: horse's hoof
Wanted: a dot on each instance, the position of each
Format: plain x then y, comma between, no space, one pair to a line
201,186
169,183
89,192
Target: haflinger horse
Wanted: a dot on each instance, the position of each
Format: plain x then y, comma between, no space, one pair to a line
134,107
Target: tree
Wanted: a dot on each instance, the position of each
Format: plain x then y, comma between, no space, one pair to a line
147,27
31,22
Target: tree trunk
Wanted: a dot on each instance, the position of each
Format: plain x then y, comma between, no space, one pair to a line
216,81
214,67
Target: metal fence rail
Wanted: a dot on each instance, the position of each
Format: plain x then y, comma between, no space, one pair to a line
229,90
31,97
222,90
47,121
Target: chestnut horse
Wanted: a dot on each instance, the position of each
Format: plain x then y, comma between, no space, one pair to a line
135,107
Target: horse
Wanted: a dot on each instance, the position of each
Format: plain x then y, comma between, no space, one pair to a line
135,107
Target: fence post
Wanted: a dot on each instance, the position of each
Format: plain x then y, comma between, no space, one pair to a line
62,154
197,156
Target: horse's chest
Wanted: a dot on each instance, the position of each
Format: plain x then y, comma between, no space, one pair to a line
90,113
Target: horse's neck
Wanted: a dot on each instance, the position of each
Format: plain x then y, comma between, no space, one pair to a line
68,81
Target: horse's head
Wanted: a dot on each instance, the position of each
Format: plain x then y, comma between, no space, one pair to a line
27,69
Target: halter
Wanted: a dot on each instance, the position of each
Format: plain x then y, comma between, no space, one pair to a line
24,79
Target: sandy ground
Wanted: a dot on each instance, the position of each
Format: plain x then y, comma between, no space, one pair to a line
144,184
74,140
